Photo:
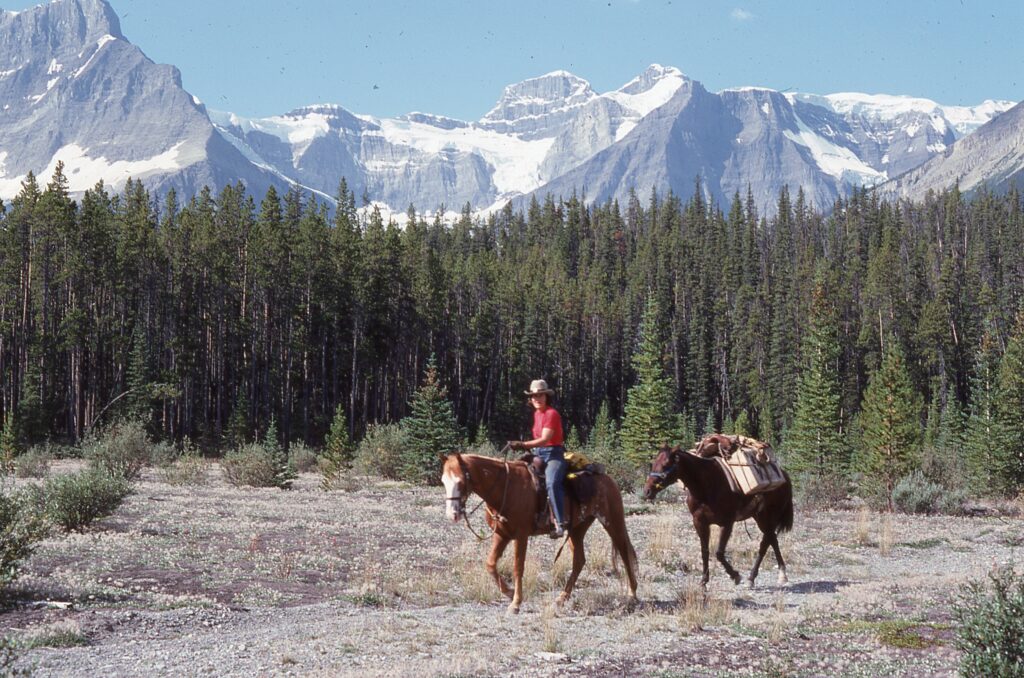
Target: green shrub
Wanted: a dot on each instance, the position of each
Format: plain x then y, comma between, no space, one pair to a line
914,493
815,490
991,633
380,451
33,464
622,471
122,450
189,468
76,500
22,524
256,465
302,458
9,654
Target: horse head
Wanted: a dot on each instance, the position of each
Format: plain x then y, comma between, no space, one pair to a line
455,478
663,471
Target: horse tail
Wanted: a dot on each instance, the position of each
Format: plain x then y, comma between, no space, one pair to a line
786,521
615,514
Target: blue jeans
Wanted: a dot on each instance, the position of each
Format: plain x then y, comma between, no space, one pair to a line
554,475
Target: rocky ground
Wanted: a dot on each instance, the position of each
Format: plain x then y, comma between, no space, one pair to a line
218,580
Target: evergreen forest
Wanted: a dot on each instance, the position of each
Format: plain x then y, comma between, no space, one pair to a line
882,337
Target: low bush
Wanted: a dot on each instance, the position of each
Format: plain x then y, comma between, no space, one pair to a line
916,494
256,465
991,632
22,524
75,501
188,468
814,490
302,457
380,452
35,463
622,471
122,450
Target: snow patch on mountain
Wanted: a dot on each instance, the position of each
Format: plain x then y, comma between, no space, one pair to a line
888,107
84,171
837,161
516,161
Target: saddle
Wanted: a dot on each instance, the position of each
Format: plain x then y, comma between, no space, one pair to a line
579,483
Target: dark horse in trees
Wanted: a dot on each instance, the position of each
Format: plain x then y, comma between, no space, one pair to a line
508,490
713,502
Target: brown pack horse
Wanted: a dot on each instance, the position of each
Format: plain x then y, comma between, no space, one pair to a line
507,489
713,502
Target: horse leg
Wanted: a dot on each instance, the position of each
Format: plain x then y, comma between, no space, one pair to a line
518,565
783,579
762,549
498,544
723,539
576,535
704,534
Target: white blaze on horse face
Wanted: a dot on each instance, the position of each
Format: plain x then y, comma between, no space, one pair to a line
452,496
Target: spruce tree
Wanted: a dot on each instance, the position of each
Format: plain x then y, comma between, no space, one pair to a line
986,452
814,445
1010,407
429,431
890,425
9,448
338,449
284,471
649,420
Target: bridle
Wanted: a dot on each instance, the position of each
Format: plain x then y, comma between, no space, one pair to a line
661,478
496,516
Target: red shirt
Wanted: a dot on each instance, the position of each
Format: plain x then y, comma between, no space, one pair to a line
549,418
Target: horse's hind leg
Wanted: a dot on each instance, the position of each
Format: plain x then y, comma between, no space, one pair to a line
498,544
723,540
762,549
783,579
579,558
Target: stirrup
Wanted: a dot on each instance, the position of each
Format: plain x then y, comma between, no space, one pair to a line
557,532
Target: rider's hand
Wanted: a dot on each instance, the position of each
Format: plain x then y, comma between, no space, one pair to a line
516,445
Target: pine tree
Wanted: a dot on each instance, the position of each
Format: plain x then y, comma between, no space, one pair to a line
9,448
986,453
891,425
814,445
649,420
429,431
1010,407
338,449
284,471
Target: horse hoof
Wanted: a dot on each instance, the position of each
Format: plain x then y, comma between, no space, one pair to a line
783,579
749,584
512,609
562,599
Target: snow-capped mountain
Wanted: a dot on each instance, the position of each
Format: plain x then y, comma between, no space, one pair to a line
72,89
993,155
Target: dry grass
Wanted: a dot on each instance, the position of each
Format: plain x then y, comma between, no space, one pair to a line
885,538
698,610
862,528
660,548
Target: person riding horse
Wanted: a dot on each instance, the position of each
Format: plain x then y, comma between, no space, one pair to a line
547,444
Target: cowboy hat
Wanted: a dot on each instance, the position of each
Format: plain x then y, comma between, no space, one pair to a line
539,386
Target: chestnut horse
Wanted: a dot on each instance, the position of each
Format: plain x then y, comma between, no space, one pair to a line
713,502
508,490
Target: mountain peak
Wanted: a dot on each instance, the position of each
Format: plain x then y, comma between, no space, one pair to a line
64,22
540,96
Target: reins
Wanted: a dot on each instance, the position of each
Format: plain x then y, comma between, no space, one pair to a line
496,516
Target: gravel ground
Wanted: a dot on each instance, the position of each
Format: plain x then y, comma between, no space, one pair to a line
217,580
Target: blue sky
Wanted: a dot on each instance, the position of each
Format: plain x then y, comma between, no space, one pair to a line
388,57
